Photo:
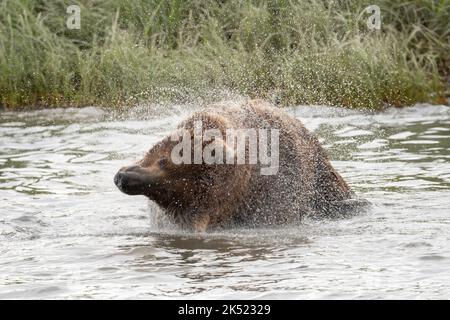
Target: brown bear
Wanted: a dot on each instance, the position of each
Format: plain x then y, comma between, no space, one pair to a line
201,195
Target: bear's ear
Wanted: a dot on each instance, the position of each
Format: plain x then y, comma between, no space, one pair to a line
206,120
214,121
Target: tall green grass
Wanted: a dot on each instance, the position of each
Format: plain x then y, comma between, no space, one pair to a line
308,52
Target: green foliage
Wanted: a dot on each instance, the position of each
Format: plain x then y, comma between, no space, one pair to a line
299,52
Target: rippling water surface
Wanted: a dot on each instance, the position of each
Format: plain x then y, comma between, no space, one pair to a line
67,232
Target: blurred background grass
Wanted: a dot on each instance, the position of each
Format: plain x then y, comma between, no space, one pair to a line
293,52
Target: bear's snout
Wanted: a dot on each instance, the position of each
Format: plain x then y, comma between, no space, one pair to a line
118,180
132,180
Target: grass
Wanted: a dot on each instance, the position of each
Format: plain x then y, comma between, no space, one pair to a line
294,52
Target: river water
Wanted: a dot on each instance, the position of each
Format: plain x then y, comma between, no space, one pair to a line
67,232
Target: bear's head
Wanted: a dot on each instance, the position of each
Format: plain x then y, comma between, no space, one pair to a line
169,173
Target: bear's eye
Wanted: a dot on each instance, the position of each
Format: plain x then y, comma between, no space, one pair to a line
162,163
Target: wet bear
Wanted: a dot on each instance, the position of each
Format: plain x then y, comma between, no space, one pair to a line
205,175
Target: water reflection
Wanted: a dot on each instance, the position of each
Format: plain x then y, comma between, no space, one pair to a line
67,232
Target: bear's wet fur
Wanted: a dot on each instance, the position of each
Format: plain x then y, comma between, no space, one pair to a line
202,196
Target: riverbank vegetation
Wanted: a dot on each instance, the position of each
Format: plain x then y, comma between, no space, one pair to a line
292,52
